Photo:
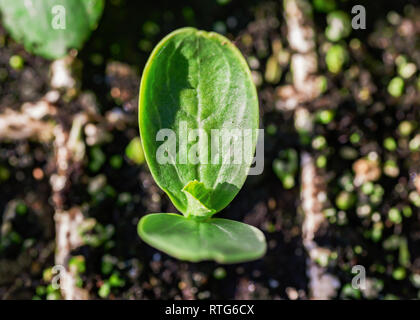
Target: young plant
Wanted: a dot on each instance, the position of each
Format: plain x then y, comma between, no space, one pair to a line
201,80
50,28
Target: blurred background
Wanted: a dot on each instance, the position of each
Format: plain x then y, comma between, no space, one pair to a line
341,185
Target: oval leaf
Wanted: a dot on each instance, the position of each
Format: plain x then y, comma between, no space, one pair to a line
197,80
222,240
50,28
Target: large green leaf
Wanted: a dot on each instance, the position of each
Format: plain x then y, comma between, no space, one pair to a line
199,79
222,240
31,23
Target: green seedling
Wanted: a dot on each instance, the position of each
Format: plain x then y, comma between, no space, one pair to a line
21,209
322,84
404,253
368,188
201,79
319,143
40,291
105,290
377,231
321,161
286,166
116,161
116,281
391,168
325,116
399,273
324,5
53,294
4,173
335,58
272,70
390,144
108,263
16,62
134,151
405,128
339,25
219,273
355,138
414,198
50,28
407,212
77,264
405,68
414,143
345,200
97,158
396,87
394,215
349,292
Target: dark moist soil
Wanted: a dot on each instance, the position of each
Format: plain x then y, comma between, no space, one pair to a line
262,202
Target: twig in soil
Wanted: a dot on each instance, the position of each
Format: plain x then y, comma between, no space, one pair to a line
305,88
67,222
301,37
28,123
322,285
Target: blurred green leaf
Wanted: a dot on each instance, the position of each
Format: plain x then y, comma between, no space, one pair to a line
396,87
345,200
104,290
134,151
335,58
324,5
45,29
